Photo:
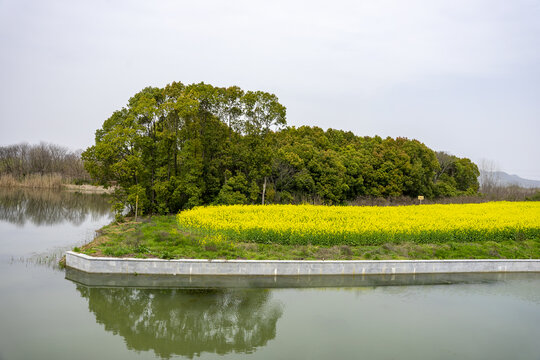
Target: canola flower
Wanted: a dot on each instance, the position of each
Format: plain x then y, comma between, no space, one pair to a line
366,225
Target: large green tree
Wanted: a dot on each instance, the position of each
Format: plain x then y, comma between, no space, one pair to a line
181,146
173,148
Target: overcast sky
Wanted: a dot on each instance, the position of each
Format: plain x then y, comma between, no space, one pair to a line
460,76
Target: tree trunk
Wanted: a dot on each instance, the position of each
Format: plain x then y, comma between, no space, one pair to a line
136,207
264,190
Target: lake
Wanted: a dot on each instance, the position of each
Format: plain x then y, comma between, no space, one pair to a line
48,313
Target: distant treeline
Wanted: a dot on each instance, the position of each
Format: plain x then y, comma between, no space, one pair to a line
180,146
22,161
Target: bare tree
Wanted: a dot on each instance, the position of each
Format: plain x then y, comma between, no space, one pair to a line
489,178
20,160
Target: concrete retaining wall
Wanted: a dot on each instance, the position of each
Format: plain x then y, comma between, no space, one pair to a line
104,265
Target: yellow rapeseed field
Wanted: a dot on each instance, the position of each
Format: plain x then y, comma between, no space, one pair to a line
366,225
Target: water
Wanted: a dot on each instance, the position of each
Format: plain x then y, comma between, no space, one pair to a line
46,313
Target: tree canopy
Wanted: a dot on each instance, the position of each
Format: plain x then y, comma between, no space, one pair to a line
181,146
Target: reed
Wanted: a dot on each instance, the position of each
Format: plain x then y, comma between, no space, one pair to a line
9,180
34,181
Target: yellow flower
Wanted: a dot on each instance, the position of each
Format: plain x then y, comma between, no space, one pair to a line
331,225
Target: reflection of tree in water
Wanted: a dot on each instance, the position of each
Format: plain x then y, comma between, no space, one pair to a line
186,322
46,207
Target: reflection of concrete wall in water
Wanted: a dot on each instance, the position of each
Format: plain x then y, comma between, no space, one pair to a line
46,207
296,282
186,322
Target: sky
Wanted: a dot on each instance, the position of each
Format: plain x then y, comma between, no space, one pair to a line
459,76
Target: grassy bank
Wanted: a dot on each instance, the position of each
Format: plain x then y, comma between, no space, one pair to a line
161,237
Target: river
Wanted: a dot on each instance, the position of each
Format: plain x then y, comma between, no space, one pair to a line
46,313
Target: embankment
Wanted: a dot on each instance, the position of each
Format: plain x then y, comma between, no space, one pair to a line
106,265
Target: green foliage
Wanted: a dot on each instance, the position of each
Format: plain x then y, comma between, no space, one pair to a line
455,176
188,145
233,191
535,197
136,197
118,208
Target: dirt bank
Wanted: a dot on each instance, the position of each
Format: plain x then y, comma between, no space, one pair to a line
89,189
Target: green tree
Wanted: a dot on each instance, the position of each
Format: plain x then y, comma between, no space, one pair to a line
455,176
187,145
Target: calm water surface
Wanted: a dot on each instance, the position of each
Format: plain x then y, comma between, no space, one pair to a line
46,313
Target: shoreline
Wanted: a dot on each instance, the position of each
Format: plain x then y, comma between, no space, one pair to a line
87,189
52,182
192,267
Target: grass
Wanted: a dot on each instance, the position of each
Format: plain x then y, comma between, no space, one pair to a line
160,237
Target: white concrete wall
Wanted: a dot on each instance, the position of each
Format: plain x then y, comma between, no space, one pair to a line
103,265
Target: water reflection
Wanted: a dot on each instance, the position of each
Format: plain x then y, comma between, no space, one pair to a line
316,281
186,322
46,207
